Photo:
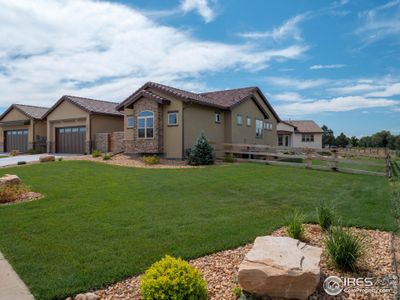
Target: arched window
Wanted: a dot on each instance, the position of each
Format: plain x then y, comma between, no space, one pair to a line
146,124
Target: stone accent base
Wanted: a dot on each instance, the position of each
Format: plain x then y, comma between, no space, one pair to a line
110,142
101,142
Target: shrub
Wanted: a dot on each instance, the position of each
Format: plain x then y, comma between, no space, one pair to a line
10,193
106,156
325,215
201,153
295,225
229,158
344,248
14,152
22,162
172,278
96,153
151,160
60,159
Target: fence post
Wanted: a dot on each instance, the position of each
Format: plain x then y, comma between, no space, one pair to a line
335,160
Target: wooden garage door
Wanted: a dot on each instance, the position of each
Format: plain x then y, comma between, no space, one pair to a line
16,140
71,140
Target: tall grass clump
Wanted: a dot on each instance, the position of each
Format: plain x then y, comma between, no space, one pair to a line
295,225
344,247
325,215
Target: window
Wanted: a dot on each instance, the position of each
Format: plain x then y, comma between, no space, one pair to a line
130,121
259,127
239,119
172,118
248,121
280,140
307,137
146,124
268,125
217,117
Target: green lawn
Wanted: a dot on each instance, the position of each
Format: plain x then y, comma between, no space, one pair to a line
374,165
101,223
3,156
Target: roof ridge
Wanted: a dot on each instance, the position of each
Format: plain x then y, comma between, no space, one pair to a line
85,98
35,106
177,89
228,90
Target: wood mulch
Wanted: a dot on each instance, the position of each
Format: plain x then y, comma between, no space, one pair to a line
220,269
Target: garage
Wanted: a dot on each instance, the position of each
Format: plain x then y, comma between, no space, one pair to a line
70,140
16,140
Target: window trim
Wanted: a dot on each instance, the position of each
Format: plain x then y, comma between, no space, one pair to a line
237,120
177,118
145,125
127,122
217,120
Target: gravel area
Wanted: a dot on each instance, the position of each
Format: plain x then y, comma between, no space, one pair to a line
129,161
220,269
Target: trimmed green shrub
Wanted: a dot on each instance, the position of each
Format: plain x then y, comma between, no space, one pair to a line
344,248
96,153
229,158
325,215
295,225
173,278
22,162
60,159
201,153
106,156
14,152
151,160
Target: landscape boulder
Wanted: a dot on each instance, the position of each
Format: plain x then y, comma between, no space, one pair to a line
280,267
46,158
8,179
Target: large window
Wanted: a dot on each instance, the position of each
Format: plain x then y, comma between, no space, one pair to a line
307,137
173,118
280,140
130,121
146,124
259,128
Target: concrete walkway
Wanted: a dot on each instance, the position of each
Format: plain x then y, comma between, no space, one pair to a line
13,160
11,286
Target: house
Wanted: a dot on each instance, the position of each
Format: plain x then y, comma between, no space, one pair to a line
73,122
165,120
300,134
22,127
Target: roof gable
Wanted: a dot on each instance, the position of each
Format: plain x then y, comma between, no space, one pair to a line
32,112
305,126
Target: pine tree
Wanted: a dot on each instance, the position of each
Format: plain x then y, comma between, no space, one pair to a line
201,153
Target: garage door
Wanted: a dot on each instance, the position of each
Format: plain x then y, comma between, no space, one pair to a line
71,140
16,140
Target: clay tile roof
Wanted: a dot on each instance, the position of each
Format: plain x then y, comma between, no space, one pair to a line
229,98
34,112
305,126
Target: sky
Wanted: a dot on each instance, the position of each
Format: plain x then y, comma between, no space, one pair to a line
335,62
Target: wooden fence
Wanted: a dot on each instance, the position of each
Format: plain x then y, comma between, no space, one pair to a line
335,159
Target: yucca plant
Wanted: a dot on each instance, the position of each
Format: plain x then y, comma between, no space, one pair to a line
325,215
344,247
294,225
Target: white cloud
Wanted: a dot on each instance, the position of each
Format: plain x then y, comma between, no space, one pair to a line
287,96
334,66
337,104
201,6
355,88
389,91
105,50
289,29
298,84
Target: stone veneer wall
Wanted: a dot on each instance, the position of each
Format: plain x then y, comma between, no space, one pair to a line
117,142
110,142
101,142
150,145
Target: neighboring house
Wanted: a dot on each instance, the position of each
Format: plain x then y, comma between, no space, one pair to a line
22,128
300,134
73,122
165,120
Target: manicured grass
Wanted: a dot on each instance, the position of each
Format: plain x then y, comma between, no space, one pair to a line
3,156
378,166
100,223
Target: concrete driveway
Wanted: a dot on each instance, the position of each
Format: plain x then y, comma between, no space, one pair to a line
13,160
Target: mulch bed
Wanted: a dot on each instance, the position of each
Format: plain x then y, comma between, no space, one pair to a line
220,269
26,197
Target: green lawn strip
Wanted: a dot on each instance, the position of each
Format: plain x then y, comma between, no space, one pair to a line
3,156
356,166
100,223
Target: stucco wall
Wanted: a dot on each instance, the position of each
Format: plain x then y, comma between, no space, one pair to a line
317,144
105,124
173,134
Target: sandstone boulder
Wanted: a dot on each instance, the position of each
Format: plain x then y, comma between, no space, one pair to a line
8,179
46,158
280,267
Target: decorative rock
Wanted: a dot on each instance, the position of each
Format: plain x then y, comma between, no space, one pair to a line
91,296
46,158
8,179
280,267
80,297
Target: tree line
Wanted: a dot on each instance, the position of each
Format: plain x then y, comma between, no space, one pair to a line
381,139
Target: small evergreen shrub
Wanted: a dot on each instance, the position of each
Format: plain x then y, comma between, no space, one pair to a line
295,225
173,278
10,193
106,156
325,215
201,153
60,159
151,160
96,153
344,248
22,162
229,158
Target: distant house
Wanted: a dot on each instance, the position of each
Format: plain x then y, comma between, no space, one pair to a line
300,134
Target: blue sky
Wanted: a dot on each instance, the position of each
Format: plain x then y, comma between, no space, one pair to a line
334,62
